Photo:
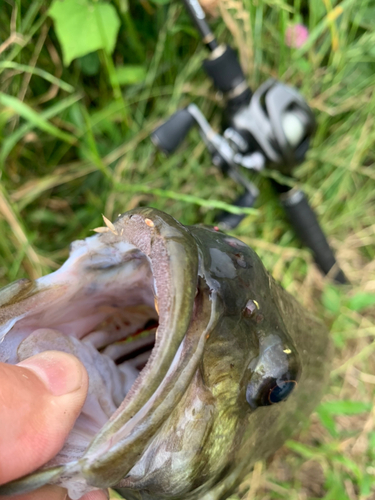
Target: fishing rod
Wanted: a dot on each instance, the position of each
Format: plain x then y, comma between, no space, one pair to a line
270,128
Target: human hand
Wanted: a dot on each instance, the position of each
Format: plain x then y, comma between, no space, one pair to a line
41,399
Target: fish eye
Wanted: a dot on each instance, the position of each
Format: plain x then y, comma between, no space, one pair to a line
281,391
273,375
270,392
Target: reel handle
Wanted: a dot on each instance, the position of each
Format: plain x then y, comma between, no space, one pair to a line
171,133
304,221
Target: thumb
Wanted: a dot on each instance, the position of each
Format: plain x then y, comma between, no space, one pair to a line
40,398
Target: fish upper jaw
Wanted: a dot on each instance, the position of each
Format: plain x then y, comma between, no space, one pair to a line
143,243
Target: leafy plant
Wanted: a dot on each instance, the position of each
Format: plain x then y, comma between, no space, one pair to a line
83,26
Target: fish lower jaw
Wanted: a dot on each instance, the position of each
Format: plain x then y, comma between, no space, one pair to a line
122,303
107,317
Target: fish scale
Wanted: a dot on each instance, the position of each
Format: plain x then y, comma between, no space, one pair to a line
235,365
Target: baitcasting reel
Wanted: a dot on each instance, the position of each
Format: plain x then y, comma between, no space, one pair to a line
274,129
270,128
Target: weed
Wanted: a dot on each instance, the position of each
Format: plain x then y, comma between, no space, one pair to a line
75,144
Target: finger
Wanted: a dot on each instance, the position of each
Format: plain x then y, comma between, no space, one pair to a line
45,493
41,398
56,493
96,495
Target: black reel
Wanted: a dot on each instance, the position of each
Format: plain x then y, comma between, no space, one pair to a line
270,128
277,124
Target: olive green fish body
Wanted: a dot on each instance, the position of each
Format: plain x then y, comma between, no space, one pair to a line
183,412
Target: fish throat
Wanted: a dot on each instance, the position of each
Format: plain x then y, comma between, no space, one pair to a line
121,305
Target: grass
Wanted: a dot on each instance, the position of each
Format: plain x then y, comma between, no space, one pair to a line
75,144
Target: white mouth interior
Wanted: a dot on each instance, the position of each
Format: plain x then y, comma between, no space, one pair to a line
99,306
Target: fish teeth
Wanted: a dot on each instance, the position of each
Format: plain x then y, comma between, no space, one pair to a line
110,225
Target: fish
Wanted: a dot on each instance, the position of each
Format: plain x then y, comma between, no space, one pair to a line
199,362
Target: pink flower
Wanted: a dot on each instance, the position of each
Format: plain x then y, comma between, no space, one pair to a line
296,35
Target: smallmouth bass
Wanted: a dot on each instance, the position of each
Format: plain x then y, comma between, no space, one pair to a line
199,362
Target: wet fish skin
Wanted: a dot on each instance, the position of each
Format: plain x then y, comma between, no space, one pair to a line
235,435
242,329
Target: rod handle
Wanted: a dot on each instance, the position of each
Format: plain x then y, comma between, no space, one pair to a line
306,225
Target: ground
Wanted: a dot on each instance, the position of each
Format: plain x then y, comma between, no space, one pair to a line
75,144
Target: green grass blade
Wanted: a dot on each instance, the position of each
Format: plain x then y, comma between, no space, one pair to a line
9,143
39,72
187,198
26,112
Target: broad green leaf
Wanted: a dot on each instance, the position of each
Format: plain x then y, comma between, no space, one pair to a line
327,420
367,482
303,65
83,27
345,407
331,299
129,74
361,300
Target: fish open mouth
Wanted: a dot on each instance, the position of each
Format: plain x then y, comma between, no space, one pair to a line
135,349
102,307
122,303
127,316
184,336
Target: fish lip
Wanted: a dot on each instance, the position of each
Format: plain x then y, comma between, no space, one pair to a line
173,255
177,351
136,433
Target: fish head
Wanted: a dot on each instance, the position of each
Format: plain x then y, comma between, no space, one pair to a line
199,363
